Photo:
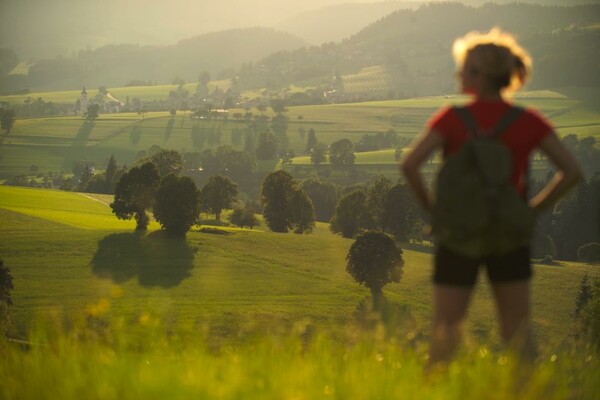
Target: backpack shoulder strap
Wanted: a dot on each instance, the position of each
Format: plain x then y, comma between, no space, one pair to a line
472,129
508,118
467,118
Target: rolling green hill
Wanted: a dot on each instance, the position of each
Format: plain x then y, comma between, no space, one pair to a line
67,252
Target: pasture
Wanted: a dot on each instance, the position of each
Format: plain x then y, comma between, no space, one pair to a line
238,313
67,251
54,144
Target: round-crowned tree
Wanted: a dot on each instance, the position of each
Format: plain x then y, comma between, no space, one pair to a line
589,253
286,206
134,194
274,197
351,214
218,194
177,204
374,260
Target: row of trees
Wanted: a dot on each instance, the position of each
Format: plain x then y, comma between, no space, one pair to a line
381,205
175,201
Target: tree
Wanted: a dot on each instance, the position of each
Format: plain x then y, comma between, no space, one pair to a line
311,141
323,195
286,206
266,146
109,174
341,153
219,193
318,154
244,217
134,194
376,198
576,219
177,204
351,214
400,214
93,111
374,260
262,108
278,107
302,217
589,253
204,78
6,285
7,120
86,176
166,161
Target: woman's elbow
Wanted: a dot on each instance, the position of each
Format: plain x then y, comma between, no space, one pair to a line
572,174
408,166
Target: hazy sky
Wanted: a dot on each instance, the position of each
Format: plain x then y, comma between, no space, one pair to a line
49,27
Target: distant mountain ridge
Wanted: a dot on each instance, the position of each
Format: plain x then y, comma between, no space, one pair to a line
115,65
413,47
336,22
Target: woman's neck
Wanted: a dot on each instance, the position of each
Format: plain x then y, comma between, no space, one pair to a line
493,95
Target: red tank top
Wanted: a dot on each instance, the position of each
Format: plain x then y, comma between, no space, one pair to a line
521,137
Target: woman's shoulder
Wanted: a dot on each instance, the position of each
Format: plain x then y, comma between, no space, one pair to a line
533,117
441,117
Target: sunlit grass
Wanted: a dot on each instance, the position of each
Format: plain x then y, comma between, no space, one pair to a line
105,356
385,156
63,207
58,258
110,313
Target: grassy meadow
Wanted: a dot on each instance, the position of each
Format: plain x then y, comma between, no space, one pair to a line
237,313
55,143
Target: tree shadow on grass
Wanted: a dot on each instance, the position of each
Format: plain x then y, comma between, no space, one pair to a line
396,319
155,259
77,150
169,128
135,134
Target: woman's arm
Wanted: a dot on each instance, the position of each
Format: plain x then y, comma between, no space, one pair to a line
566,177
422,148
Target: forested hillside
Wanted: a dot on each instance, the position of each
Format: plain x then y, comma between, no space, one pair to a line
414,47
411,48
116,65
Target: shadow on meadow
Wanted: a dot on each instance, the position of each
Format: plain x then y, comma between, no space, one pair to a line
135,134
155,259
397,320
78,145
169,128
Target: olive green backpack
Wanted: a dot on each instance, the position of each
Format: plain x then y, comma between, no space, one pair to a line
478,212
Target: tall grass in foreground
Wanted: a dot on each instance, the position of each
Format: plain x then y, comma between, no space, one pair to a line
101,358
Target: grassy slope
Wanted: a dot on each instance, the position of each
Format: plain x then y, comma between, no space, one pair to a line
53,144
67,252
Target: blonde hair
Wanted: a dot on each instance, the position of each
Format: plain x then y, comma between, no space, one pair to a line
503,63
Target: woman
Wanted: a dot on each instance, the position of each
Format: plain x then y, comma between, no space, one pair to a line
490,66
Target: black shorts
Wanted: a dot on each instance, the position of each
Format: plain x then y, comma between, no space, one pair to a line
455,269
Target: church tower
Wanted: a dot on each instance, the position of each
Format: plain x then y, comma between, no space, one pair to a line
83,99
